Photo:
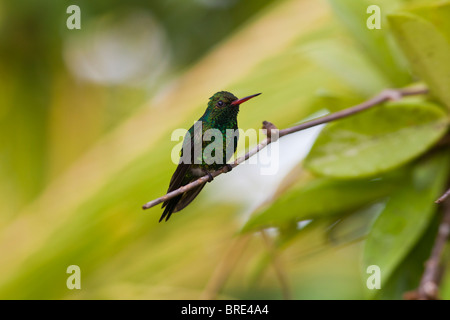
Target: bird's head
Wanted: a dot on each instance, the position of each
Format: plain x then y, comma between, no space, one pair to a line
224,105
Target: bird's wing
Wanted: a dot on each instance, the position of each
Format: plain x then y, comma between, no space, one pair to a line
183,175
188,197
186,158
231,145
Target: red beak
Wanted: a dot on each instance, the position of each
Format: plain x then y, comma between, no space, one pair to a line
242,100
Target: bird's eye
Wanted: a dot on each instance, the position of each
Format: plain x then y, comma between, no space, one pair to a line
220,103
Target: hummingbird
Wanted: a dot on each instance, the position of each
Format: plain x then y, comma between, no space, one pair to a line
221,114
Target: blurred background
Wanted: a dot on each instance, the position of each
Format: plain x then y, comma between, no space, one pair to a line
85,123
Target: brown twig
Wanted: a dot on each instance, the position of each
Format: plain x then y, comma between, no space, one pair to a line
443,197
429,284
386,95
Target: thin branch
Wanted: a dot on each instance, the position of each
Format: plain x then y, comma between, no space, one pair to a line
443,197
429,284
279,271
225,267
386,95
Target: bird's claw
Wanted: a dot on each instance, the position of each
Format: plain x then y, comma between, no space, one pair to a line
211,178
229,167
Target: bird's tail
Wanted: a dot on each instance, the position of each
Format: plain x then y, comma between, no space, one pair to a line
169,207
180,202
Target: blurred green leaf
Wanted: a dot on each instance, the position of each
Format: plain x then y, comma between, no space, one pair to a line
406,216
407,275
349,66
424,37
376,43
322,197
377,140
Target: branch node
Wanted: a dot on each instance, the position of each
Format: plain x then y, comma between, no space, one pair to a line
392,95
272,131
431,289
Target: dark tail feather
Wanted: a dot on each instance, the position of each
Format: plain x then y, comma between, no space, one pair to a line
188,197
170,207
180,202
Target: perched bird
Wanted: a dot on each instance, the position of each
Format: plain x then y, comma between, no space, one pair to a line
221,114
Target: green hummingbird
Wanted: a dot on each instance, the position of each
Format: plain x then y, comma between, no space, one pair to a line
220,115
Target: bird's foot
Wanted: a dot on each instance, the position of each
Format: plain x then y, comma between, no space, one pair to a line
229,167
211,178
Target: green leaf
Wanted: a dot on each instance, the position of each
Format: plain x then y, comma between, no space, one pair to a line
376,43
322,197
425,40
377,140
349,66
407,215
407,275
